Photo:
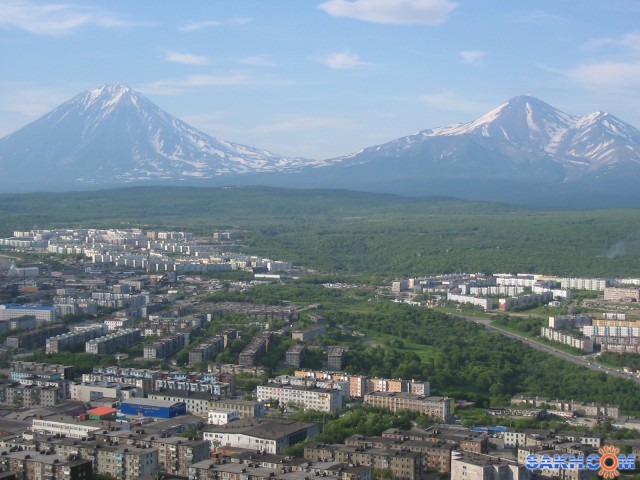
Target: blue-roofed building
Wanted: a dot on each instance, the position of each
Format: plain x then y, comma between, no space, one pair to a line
145,407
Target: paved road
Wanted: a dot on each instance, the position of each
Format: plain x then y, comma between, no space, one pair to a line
577,359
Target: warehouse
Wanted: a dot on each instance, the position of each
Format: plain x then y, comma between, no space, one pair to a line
145,407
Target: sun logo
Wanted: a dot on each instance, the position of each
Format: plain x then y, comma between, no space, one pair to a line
609,461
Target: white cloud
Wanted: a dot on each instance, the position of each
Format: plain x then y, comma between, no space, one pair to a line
299,124
608,74
195,26
187,58
343,60
619,69
396,12
54,19
173,87
472,56
452,101
540,17
258,61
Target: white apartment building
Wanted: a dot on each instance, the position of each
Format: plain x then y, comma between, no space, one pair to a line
321,399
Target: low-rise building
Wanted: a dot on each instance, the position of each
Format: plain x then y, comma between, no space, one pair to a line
436,407
268,435
476,466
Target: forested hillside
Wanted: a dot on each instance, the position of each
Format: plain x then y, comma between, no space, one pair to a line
354,232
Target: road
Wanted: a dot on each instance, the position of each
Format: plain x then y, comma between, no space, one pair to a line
577,359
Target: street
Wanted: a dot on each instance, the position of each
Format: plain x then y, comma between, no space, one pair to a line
577,359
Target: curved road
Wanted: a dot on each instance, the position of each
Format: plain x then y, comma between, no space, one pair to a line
577,359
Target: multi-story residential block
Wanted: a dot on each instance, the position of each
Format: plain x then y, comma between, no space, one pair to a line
437,407
63,342
336,357
436,455
206,351
622,294
321,399
127,462
25,322
31,465
450,435
113,342
268,435
43,314
253,352
562,322
405,465
611,331
585,283
118,323
275,467
295,355
94,391
138,377
485,303
20,369
23,396
176,454
165,347
582,343
197,403
467,465
245,408
583,408
35,339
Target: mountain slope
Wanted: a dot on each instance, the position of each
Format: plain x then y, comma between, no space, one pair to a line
113,135
522,150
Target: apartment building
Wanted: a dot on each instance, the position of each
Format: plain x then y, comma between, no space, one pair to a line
176,454
127,462
35,339
436,455
64,341
404,465
311,398
584,344
43,314
31,465
476,466
165,347
206,351
295,356
437,407
336,357
113,342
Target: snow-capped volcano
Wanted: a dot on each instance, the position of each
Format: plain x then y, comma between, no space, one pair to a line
524,137
114,135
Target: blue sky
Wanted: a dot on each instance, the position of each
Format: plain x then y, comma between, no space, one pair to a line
321,78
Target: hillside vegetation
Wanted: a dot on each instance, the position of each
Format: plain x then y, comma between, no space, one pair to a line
355,232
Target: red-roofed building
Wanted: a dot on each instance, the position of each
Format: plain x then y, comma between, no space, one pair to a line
102,413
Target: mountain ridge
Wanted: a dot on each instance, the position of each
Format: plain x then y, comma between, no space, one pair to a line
524,150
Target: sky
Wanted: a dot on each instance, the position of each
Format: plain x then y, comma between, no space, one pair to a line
321,78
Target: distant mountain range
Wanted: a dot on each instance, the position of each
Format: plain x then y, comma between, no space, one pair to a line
523,151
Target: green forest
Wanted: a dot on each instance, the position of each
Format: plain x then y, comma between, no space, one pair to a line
458,357
358,233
